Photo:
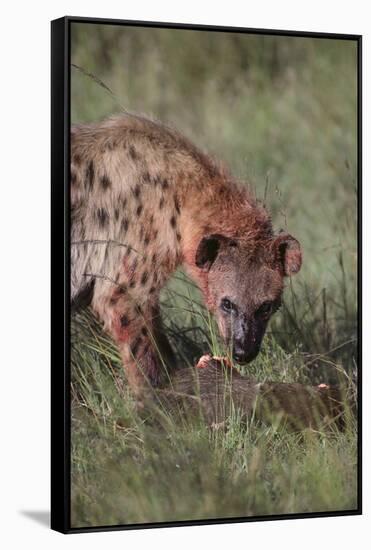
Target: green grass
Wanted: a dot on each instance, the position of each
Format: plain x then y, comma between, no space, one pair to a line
128,468
282,113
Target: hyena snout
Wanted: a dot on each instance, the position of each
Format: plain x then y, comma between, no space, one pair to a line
246,341
245,350
241,335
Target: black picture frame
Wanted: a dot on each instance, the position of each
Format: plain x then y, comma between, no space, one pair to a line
60,271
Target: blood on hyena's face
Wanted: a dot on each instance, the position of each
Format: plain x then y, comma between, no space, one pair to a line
244,286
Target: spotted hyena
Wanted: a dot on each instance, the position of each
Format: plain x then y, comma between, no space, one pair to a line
144,201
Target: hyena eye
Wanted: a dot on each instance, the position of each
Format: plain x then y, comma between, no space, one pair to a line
228,306
265,309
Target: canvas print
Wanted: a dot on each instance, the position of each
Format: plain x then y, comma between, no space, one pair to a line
213,275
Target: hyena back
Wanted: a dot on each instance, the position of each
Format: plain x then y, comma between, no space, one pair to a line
145,200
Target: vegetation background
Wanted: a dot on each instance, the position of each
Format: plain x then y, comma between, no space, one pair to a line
282,112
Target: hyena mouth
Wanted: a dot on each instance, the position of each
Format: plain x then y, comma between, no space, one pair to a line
242,356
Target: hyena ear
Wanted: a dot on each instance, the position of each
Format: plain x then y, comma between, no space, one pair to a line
287,253
208,249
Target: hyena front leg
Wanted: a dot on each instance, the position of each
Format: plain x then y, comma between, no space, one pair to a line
136,329
146,353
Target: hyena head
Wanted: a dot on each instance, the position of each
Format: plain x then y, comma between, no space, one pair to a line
244,286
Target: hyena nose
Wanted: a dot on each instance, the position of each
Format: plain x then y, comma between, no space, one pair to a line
239,352
244,352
